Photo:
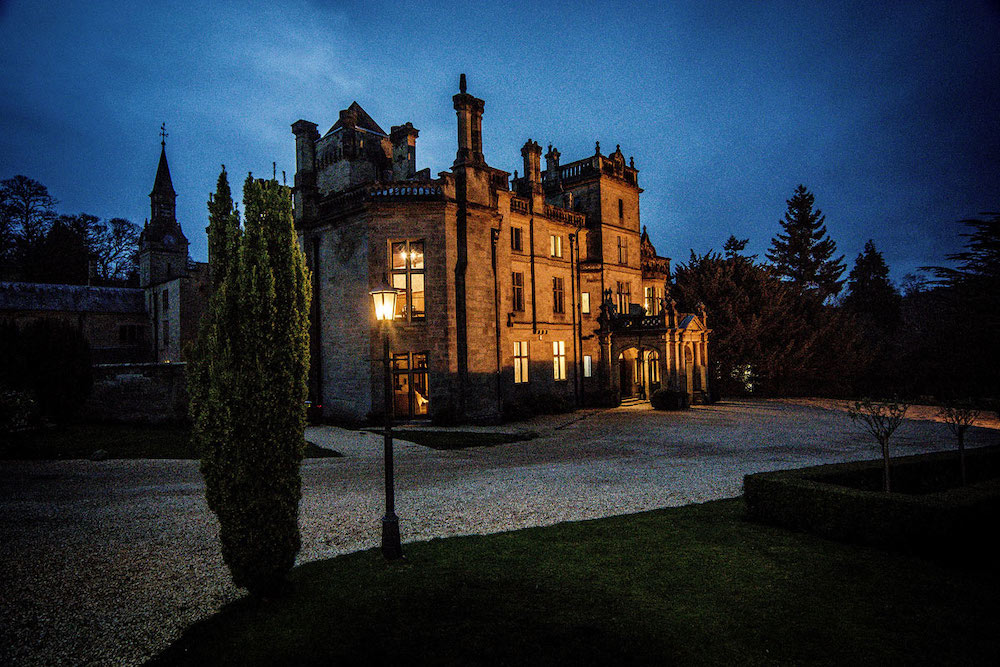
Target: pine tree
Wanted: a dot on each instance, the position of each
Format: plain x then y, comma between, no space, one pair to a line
248,383
870,293
803,253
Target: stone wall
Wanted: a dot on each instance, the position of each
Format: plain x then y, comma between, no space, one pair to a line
143,393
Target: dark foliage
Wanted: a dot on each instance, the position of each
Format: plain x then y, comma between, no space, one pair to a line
931,515
248,384
37,245
962,329
50,361
768,337
669,399
802,253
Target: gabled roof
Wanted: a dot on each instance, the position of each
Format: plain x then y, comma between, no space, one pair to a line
71,298
690,321
162,184
364,121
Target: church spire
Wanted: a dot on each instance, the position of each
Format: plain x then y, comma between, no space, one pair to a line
162,198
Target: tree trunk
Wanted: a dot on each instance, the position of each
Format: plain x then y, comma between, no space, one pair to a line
961,453
885,458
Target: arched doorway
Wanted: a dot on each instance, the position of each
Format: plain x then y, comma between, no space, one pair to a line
638,372
652,374
629,373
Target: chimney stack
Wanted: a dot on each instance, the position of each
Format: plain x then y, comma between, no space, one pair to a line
470,127
532,154
404,151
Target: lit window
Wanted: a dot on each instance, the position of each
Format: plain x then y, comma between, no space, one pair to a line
555,245
406,264
624,297
558,303
410,395
588,366
520,361
650,302
559,359
585,303
517,281
516,243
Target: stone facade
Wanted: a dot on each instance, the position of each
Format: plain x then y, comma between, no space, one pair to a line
112,319
512,290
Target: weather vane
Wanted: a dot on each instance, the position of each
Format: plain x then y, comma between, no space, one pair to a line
163,134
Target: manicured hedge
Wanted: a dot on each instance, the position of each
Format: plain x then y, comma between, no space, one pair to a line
842,502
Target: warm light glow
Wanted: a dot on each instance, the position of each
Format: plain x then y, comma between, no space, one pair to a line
384,299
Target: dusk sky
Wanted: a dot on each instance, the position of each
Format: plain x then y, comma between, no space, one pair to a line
888,112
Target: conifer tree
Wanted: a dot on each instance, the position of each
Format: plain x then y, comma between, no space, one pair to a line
870,293
248,383
803,253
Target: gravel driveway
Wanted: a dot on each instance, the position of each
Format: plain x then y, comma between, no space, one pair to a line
108,562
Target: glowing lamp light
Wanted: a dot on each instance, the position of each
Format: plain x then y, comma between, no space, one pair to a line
384,299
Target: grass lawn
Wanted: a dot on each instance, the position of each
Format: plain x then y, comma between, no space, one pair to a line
691,585
120,441
457,439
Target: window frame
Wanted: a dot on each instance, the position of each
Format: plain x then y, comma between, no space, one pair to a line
517,290
406,313
558,296
555,245
516,239
521,361
624,303
559,360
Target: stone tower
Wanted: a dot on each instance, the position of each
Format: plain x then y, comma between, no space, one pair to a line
163,248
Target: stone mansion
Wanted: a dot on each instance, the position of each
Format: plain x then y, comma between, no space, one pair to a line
511,290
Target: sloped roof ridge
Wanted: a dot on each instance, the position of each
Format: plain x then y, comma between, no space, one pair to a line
364,121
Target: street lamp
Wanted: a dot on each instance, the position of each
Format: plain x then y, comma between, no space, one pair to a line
384,300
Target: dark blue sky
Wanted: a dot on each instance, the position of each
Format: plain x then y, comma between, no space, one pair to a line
888,112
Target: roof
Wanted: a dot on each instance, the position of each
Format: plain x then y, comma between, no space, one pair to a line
71,298
364,121
162,184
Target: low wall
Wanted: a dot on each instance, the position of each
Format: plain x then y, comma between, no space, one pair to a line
147,393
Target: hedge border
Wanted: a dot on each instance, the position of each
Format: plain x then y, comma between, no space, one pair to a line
954,525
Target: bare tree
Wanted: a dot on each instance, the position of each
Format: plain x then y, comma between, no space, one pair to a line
959,416
881,418
28,207
115,244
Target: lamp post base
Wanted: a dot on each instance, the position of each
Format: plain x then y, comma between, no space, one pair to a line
391,547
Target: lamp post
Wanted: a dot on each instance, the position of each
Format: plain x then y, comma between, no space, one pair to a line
384,299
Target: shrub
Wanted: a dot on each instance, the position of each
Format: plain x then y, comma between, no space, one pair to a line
603,398
845,502
515,410
670,399
50,360
18,411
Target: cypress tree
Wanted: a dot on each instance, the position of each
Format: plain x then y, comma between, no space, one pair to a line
248,383
802,253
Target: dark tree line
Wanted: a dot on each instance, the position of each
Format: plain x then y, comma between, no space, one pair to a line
781,327
37,244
